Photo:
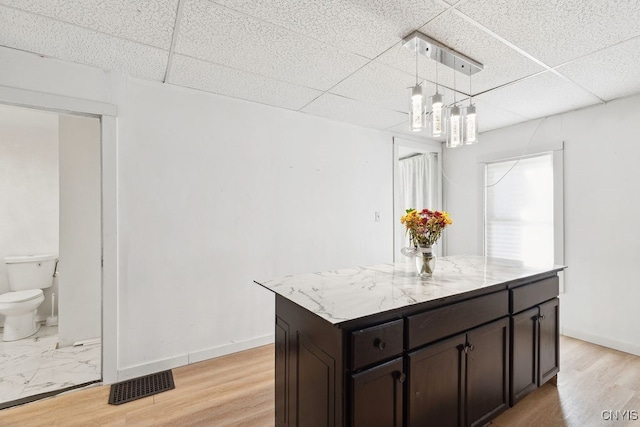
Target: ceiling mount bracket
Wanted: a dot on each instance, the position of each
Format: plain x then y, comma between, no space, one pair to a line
435,50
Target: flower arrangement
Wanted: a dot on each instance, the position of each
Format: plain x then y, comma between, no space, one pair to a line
425,227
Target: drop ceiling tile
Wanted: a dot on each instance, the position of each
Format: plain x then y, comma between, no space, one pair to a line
491,117
380,85
541,95
150,22
217,34
33,33
364,27
347,110
386,87
502,64
202,75
611,73
403,59
557,31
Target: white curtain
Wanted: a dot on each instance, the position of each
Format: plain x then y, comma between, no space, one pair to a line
418,189
418,181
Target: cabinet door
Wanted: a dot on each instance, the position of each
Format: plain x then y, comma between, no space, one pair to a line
436,381
487,372
524,356
378,396
549,323
315,387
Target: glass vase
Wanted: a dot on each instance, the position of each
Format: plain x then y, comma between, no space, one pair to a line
425,261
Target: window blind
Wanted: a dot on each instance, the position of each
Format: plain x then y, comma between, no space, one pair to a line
519,210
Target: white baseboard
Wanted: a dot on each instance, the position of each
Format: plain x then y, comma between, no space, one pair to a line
152,367
627,347
193,357
92,341
232,347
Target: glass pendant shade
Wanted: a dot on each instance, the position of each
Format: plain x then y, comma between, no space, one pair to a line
454,137
454,123
437,122
470,130
417,109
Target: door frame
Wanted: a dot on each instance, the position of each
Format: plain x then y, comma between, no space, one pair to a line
107,114
423,146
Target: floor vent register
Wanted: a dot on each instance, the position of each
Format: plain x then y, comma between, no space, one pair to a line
137,388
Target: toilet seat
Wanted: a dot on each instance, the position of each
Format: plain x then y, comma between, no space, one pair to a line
20,296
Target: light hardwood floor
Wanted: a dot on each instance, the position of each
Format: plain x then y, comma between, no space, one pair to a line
237,390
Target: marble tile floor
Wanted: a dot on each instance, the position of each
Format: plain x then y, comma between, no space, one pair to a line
33,365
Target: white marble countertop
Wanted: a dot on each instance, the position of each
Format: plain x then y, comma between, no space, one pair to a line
342,295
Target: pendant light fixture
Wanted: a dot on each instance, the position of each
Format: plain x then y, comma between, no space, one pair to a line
437,122
460,128
454,137
470,121
417,104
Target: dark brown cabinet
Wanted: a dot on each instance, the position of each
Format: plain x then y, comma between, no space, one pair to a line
457,362
378,395
549,335
436,381
309,378
376,343
524,361
462,381
535,337
487,372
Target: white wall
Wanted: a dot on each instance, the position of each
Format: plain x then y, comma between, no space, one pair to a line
80,241
216,192
601,213
28,188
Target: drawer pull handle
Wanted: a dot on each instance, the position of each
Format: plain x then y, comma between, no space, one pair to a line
379,344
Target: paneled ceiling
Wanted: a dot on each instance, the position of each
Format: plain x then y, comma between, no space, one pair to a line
343,59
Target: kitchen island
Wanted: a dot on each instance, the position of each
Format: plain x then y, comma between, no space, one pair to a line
379,346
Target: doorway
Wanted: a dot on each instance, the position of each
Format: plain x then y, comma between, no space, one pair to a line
416,184
52,183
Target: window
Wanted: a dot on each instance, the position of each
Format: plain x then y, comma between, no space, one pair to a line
519,210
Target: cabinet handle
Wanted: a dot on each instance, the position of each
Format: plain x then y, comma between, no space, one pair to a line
469,348
379,344
540,318
399,376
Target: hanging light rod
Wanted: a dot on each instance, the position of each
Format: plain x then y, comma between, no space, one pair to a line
435,50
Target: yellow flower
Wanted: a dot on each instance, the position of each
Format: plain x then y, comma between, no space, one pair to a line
447,218
425,226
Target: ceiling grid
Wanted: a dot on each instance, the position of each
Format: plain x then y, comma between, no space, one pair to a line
345,60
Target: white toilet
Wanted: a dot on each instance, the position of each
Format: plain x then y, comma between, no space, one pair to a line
28,276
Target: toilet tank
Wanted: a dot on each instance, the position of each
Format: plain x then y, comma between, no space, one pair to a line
30,271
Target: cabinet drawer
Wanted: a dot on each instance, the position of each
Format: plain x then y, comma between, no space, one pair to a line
376,343
435,324
532,294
